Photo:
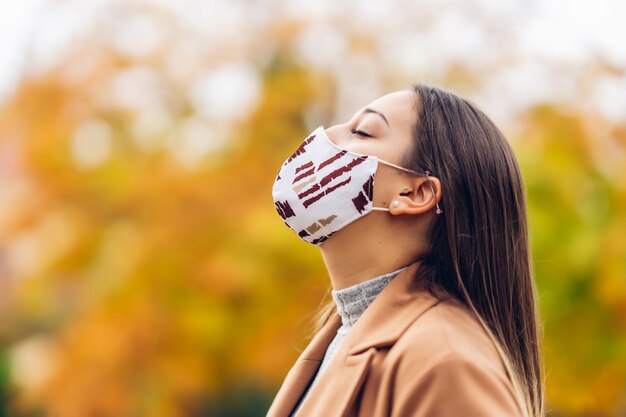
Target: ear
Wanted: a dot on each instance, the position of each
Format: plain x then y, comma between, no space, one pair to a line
419,198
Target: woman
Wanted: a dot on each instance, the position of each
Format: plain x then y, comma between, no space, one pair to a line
418,208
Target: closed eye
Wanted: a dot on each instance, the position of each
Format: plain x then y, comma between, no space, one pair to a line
360,133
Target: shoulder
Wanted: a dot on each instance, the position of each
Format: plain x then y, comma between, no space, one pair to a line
447,331
447,360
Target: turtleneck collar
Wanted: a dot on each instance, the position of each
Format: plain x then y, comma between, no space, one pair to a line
352,301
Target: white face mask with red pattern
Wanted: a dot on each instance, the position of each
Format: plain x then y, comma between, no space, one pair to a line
321,187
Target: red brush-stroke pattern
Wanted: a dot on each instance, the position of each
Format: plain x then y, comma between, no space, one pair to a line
368,187
342,170
360,201
321,238
308,191
304,166
284,209
317,197
300,149
331,159
304,175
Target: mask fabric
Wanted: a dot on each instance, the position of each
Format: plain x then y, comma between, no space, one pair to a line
321,187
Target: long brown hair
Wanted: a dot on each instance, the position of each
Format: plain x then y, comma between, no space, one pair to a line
479,249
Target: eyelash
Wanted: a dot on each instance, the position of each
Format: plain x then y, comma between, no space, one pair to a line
360,133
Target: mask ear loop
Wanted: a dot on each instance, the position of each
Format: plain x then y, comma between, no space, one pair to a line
439,210
427,173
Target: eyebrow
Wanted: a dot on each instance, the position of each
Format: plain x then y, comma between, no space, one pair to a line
369,110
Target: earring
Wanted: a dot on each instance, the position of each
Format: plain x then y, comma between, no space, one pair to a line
395,203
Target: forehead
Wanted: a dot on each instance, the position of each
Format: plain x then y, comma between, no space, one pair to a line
400,109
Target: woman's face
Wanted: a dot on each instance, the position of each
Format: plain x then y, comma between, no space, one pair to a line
383,128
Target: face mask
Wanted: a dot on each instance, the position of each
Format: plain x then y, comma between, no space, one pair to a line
321,187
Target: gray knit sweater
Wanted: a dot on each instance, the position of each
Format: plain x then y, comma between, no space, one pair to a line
351,303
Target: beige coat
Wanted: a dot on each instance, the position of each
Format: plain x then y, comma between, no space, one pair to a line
409,354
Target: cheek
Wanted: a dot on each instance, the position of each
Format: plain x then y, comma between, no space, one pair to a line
377,146
360,148
383,188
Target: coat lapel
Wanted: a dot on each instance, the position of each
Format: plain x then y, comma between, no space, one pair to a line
382,323
337,388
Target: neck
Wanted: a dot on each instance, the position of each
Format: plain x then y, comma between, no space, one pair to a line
364,251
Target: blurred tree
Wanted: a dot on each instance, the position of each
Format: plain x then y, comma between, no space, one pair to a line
577,220
145,271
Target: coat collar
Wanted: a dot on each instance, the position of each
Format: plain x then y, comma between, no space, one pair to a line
381,324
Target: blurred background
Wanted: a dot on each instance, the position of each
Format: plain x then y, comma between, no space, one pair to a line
143,268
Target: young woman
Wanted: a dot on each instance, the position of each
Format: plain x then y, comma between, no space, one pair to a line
418,208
